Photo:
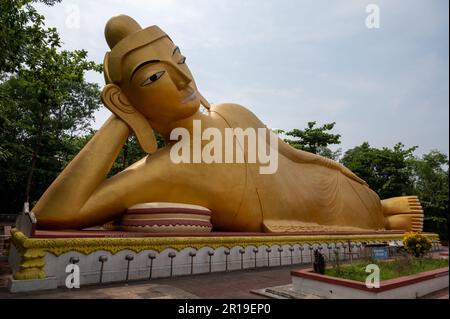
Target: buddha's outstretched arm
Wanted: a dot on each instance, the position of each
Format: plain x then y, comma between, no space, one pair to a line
236,115
73,187
300,156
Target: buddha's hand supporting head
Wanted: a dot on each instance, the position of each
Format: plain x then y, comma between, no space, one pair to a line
148,81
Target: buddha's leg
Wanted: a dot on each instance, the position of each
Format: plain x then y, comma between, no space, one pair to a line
403,213
306,197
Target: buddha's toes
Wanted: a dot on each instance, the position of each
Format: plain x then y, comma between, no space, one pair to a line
403,213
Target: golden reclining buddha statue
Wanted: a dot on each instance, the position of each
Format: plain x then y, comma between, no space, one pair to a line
149,87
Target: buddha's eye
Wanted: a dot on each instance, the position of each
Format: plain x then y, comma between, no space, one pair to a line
153,78
182,61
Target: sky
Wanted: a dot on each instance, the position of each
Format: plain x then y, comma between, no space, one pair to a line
295,61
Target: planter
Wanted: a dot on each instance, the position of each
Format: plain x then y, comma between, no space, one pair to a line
407,287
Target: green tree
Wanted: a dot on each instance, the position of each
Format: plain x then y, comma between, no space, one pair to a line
45,102
315,139
431,185
22,32
39,119
387,171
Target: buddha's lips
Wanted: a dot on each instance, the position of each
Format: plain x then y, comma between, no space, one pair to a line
190,97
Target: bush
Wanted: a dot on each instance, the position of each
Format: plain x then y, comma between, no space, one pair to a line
416,244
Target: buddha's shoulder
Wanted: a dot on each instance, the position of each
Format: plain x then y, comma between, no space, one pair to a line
233,113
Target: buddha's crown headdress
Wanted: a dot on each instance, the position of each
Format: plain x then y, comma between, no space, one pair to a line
124,35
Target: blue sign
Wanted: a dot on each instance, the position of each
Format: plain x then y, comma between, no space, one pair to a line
380,253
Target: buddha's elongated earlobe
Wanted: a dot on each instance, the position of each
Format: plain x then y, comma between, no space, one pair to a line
204,102
117,102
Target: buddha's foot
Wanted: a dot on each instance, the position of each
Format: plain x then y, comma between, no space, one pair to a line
403,213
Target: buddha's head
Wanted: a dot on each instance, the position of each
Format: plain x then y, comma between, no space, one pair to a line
147,79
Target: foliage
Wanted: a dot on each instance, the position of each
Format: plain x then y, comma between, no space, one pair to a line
319,263
45,102
416,244
37,128
403,261
314,139
431,185
335,264
387,171
388,269
22,34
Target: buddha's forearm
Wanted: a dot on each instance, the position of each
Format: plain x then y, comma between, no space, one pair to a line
85,172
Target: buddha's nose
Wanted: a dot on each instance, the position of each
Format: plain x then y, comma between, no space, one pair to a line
180,78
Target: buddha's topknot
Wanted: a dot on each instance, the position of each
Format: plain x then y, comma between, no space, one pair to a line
118,28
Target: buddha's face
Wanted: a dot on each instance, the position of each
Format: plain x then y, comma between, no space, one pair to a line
158,82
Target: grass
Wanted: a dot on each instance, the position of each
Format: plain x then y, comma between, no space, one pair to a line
388,269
